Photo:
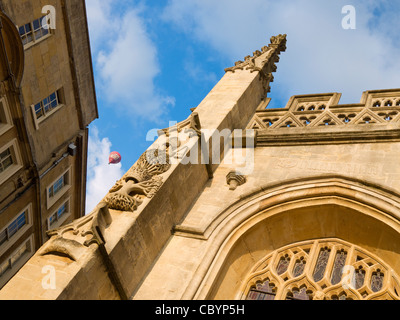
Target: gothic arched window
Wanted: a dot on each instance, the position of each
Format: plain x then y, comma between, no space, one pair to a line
328,269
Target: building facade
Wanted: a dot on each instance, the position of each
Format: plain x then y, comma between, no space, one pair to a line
48,101
240,201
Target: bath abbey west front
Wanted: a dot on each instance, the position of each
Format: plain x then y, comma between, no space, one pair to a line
316,218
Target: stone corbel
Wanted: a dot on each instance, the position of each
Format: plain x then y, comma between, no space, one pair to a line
234,179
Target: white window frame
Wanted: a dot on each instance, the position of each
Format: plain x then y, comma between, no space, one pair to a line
60,220
17,160
37,121
34,40
5,116
51,200
7,245
14,267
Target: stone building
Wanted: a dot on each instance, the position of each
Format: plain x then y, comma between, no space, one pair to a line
241,201
47,102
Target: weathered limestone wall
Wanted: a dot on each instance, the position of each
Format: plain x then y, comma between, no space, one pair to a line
181,261
335,175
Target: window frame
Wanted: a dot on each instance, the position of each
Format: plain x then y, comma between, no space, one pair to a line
17,235
47,103
33,30
67,177
59,219
14,266
16,158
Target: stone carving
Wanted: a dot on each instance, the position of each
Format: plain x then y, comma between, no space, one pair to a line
234,179
72,239
278,44
191,125
142,180
323,111
319,295
263,61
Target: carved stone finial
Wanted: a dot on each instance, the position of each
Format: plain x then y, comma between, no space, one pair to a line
278,44
234,179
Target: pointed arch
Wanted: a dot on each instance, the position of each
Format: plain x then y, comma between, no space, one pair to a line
274,216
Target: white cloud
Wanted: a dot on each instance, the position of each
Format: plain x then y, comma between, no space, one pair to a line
101,175
125,64
125,61
321,55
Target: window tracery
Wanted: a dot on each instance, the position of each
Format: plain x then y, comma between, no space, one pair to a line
328,269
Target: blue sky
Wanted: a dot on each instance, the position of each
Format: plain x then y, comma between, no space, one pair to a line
154,60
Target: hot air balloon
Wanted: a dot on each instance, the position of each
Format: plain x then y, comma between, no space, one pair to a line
114,158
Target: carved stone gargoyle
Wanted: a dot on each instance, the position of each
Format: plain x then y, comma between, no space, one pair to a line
73,239
142,180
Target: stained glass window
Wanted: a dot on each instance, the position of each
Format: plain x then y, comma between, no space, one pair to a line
341,296
264,291
320,258
338,265
320,266
299,267
359,277
377,281
283,264
298,294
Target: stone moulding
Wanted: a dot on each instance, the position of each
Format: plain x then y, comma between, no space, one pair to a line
377,197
